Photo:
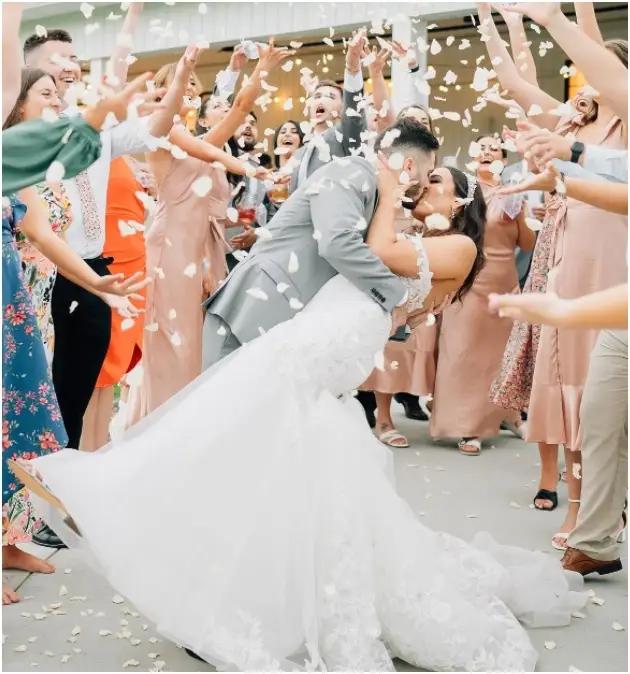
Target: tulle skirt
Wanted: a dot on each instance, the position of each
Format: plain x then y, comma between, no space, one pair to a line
255,520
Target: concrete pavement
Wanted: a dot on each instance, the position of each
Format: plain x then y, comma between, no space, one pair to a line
70,621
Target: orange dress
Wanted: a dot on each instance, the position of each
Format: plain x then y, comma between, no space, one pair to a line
129,253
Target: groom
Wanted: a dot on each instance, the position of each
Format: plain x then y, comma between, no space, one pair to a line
319,232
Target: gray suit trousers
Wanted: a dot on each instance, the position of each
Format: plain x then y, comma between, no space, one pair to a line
604,416
216,346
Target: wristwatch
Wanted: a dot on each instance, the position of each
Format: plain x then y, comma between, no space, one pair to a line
576,151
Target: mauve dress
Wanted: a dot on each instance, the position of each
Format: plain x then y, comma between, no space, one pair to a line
186,258
472,340
588,254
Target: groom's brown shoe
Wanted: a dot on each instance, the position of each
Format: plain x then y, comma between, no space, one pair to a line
576,560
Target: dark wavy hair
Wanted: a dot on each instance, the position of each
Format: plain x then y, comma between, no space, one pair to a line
469,220
298,130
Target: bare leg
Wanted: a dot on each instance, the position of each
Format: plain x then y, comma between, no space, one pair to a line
14,558
384,421
574,488
548,472
96,419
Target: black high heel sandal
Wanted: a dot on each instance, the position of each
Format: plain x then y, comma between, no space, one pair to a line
546,495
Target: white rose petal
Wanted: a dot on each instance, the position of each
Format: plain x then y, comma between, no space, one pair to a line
430,320
55,172
550,645
295,304
294,263
534,224
201,186
598,600
287,66
496,167
222,331
20,649
86,9
437,221
232,214
190,270
474,149
257,293
618,627
117,599
203,8
40,31
396,161
76,630
104,633
130,663
435,48
282,287
534,109
127,323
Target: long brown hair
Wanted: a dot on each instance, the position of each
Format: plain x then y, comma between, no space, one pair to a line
30,76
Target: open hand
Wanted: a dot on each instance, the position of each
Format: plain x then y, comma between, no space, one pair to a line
123,305
116,284
356,48
536,308
270,56
239,59
545,181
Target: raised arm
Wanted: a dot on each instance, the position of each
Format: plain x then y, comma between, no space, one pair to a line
603,309
270,58
382,104
587,21
339,215
599,65
608,196
353,123
11,56
520,45
525,93
196,147
118,64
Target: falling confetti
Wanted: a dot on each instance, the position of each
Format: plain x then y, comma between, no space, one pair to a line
201,186
618,627
534,224
295,304
190,270
86,9
550,645
55,172
257,293
294,263
117,599
438,222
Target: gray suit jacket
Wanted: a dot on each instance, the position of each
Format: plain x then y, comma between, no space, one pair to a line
333,210
340,139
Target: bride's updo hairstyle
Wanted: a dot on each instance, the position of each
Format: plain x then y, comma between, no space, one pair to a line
469,220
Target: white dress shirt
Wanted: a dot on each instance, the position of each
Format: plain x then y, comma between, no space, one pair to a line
130,137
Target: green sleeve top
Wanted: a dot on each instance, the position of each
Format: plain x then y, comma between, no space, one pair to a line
29,148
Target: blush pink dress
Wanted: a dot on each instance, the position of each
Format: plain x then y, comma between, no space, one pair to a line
186,258
472,340
588,253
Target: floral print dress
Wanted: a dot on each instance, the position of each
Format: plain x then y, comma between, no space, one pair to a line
39,271
31,420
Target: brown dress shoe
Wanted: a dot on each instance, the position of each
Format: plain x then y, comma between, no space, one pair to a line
575,560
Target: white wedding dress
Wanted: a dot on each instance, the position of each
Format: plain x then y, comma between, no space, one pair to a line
255,520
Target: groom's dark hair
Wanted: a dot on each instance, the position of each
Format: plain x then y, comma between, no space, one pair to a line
406,132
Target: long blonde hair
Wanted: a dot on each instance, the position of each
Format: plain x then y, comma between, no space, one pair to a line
166,74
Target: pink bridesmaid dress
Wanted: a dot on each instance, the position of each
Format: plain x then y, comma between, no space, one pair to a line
186,257
588,253
472,340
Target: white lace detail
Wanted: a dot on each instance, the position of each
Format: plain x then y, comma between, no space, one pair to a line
418,288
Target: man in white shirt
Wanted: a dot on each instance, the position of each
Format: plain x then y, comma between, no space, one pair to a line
82,320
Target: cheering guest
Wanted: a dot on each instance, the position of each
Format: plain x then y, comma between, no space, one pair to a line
188,212
287,140
472,340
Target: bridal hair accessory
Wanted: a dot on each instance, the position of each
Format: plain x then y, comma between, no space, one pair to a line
471,183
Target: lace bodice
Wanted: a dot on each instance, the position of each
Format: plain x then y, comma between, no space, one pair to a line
419,287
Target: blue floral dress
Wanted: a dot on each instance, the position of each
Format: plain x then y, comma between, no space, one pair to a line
31,420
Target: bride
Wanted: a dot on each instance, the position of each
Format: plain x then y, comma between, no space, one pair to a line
253,517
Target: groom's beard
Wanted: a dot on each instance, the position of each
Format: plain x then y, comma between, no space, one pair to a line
413,196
